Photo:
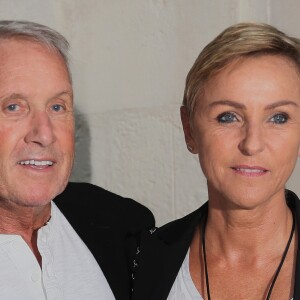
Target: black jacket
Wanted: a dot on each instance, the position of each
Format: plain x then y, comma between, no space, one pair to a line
163,252
109,225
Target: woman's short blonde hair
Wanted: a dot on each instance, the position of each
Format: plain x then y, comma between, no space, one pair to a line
240,40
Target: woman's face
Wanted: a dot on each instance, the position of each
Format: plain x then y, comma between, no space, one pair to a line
246,130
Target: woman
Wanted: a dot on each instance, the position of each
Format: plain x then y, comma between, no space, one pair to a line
241,115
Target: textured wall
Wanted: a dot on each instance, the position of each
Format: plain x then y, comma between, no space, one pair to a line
129,61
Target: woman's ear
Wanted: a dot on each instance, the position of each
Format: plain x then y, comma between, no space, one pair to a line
188,133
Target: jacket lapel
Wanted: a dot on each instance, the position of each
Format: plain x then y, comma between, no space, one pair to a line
102,243
294,203
161,257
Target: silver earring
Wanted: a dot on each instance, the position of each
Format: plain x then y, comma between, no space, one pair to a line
190,148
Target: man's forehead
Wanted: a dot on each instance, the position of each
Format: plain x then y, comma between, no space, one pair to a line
18,50
19,42
22,45
29,68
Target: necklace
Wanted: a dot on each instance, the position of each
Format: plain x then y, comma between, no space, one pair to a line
278,268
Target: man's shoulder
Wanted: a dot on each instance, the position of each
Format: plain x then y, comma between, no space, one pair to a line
87,189
87,199
90,194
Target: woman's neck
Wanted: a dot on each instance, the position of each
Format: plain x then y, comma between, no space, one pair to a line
245,244
257,232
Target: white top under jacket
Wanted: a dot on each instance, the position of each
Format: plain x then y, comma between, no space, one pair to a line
69,270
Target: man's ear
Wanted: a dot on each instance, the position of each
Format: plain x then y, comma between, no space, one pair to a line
188,133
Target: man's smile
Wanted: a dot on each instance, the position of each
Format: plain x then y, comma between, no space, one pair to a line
34,162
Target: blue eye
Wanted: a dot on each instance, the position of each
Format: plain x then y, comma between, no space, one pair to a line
227,117
13,107
57,107
279,118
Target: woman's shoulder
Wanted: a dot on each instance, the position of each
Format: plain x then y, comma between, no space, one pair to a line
291,197
180,228
161,253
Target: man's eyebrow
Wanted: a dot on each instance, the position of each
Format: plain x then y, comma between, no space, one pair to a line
13,96
63,93
280,103
228,103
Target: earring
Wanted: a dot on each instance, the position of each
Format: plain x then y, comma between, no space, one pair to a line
190,148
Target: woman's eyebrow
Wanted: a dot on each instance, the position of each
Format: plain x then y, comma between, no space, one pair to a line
281,103
242,106
228,103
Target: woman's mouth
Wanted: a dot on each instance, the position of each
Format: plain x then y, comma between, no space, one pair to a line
250,171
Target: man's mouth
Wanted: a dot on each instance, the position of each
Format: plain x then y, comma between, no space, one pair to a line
33,162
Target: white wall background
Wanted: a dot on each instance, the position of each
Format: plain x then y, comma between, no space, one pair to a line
129,61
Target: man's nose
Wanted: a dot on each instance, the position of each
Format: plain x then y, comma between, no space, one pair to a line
40,130
252,141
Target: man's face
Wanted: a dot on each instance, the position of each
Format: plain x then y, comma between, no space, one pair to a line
36,123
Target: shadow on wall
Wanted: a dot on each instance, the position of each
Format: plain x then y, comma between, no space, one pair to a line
82,164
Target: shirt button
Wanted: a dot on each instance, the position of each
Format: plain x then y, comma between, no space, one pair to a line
35,277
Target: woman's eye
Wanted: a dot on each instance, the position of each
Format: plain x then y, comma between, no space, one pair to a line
279,118
227,118
13,107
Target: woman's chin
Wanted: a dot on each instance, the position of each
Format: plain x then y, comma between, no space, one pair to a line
245,199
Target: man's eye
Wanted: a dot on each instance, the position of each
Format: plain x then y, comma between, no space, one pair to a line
279,118
227,118
13,107
57,107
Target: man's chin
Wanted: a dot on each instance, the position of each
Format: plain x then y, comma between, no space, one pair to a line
36,197
31,202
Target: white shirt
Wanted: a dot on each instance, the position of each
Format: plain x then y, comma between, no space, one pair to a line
183,287
69,270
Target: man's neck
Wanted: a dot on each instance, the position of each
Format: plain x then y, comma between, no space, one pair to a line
24,221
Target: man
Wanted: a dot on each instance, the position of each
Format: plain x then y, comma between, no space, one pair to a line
79,247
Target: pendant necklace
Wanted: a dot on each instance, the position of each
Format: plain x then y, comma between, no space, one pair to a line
278,268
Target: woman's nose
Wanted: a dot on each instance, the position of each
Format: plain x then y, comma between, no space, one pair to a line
252,141
40,130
